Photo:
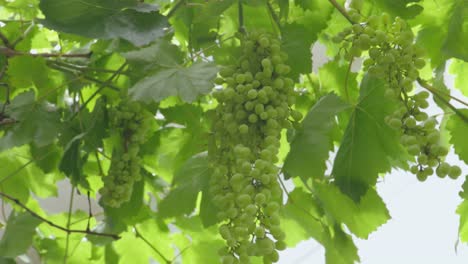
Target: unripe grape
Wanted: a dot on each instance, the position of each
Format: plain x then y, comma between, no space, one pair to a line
454,172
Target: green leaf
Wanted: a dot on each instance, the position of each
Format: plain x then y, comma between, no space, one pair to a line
460,70
312,143
443,30
299,35
403,8
160,54
340,248
458,129
18,235
300,217
19,175
38,122
334,76
369,145
462,210
104,19
457,33
50,161
72,161
297,43
362,218
189,180
186,82
28,71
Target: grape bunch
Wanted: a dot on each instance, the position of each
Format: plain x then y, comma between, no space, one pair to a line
253,108
394,58
129,123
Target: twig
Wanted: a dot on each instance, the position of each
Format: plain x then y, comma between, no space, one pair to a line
16,201
341,10
81,68
139,235
20,38
180,253
273,15
90,213
5,40
241,16
427,86
175,8
199,53
9,52
431,89
70,208
56,67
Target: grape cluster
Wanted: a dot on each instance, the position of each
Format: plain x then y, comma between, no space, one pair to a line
253,108
393,57
130,123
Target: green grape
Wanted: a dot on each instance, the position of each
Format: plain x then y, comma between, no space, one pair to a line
130,124
454,172
395,59
256,100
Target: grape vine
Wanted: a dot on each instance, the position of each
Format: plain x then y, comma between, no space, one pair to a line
395,58
130,124
253,109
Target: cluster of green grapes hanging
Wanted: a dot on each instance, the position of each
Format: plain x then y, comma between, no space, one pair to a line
129,124
253,108
394,58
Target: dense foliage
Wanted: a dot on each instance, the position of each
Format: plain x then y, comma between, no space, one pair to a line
202,135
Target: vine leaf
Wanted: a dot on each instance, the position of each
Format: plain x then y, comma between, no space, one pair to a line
189,180
311,145
462,210
301,217
26,71
105,19
458,130
18,235
299,35
186,82
199,249
443,35
402,8
460,69
160,54
37,122
369,145
19,177
361,218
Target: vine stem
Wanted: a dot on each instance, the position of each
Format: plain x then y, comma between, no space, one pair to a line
81,68
5,40
70,208
273,15
431,89
9,52
341,10
175,8
52,224
428,87
139,235
62,69
240,16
